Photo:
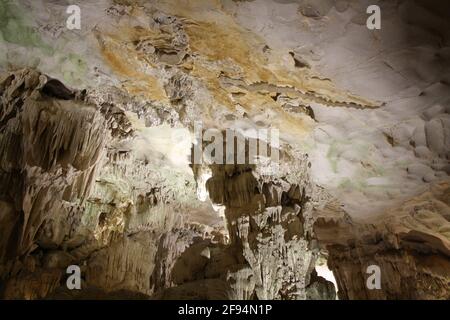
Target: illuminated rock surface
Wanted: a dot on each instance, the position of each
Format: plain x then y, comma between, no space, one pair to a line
97,131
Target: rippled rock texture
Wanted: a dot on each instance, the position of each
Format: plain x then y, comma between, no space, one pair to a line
410,247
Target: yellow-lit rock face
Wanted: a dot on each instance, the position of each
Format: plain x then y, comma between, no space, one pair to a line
217,49
121,56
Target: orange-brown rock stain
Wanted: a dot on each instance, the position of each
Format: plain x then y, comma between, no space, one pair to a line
121,56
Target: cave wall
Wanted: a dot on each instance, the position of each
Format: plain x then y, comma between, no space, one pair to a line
411,249
113,219
96,133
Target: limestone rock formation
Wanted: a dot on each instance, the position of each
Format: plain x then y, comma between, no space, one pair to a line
411,248
116,156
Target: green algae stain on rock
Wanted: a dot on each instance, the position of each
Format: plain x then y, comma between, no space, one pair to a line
73,69
15,29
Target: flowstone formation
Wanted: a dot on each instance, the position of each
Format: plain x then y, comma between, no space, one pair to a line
411,248
135,235
110,157
270,225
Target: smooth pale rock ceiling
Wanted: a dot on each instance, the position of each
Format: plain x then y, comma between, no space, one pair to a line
370,159
364,124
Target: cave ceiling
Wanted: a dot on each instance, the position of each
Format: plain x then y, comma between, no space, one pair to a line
98,125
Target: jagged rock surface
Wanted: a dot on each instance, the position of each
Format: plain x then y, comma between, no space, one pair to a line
268,225
69,196
100,176
411,249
